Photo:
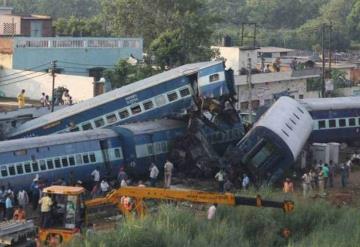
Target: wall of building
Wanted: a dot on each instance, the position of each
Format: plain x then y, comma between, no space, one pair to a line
46,27
80,87
10,25
83,53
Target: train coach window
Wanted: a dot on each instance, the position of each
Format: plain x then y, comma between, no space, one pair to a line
117,153
35,166
87,126
57,163
99,122
111,118
92,157
123,114
148,105
184,92
12,170
50,164
288,126
214,77
285,133
332,123
135,109
172,96
42,165
342,122
20,152
352,122
19,169
292,121
85,158
64,161
78,159
27,167
300,110
296,116
322,124
4,172
71,160
74,129
160,100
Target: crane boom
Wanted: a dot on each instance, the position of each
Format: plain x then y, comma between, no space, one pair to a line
140,193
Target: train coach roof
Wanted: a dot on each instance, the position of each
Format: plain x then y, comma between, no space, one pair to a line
319,104
55,139
114,94
151,126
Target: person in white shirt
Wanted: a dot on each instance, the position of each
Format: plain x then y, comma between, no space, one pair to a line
104,186
220,176
168,167
154,173
96,175
306,184
211,211
123,183
42,100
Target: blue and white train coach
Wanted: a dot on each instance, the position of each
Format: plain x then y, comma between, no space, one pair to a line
335,119
275,141
158,96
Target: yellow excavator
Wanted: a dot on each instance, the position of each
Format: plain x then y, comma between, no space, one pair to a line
71,207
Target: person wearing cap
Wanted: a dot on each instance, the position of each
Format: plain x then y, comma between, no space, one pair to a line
35,192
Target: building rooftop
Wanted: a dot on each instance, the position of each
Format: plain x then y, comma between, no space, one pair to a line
270,49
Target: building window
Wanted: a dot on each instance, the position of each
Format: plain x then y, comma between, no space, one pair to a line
111,118
148,105
124,114
172,96
214,77
9,28
135,109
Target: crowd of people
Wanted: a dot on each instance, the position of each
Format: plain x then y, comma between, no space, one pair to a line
45,99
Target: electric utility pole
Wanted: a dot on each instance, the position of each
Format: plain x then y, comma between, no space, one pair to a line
53,70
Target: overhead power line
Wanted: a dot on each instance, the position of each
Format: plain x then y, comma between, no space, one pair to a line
13,82
25,70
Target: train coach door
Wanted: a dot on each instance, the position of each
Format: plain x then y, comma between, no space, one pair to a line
193,80
105,154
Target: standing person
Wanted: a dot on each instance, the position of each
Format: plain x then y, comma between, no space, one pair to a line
8,207
141,184
95,175
211,211
306,183
293,64
220,176
348,167
228,185
168,168
313,177
245,182
288,186
43,99
72,180
21,99
321,183
2,203
343,174
46,204
332,168
325,171
123,183
104,187
47,102
154,173
122,175
277,64
35,193
23,198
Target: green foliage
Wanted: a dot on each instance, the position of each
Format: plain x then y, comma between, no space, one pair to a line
125,73
353,21
313,223
80,27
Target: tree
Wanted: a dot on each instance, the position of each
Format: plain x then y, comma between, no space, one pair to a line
125,73
80,27
353,21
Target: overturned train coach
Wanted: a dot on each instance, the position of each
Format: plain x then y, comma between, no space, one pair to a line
134,145
169,93
275,141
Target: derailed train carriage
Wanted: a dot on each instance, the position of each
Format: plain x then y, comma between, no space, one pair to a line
275,141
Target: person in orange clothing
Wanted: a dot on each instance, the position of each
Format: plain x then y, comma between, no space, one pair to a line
288,186
19,214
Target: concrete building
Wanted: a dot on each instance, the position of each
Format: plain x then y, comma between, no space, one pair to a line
267,85
74,56
31,25
34,83
270,53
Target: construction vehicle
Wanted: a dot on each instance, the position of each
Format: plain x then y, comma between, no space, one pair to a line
70,204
